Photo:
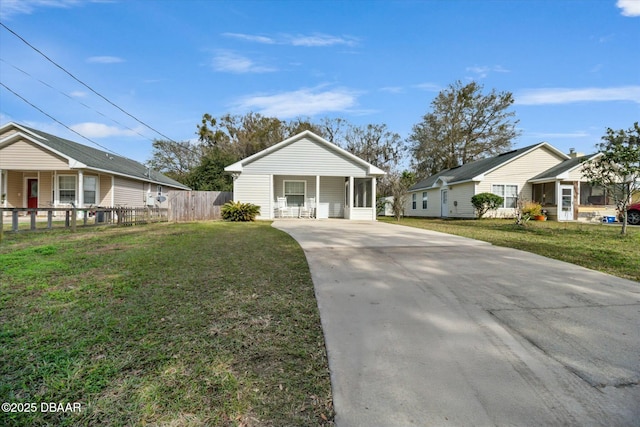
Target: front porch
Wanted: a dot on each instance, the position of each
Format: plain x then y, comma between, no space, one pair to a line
573,200
321,197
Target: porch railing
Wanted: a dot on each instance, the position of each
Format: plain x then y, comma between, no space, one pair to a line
30,219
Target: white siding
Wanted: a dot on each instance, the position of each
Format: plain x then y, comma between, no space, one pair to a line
305,157
433,204
332,192
461,195
28,156
130,193
253,189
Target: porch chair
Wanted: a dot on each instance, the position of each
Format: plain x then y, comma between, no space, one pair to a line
282,210
308,210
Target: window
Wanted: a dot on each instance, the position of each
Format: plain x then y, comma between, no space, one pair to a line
594,195
159,190
424,200
545,194
508,192
294,191
413,201
67,188
362,192
90,186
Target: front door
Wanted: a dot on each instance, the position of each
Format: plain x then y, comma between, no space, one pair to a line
444,205
32,193
565,211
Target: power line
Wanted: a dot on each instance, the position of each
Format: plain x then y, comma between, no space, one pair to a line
73,99
83,83
58,121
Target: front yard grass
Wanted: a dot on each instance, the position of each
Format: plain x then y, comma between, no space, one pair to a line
202,324
596,246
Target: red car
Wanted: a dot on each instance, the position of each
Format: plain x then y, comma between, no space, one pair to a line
633,214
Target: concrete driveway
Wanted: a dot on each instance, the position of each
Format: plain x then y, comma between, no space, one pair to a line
429,329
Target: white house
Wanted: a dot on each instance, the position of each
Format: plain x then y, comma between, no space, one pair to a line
310,173
539,173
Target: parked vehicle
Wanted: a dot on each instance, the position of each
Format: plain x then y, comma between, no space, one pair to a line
633,214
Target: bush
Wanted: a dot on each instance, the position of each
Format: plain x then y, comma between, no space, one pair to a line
531,210
238,211
485,202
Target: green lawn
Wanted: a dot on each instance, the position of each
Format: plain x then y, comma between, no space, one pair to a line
196,324
596,246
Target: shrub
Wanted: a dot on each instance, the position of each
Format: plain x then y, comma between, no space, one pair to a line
485,202
238,211
531,210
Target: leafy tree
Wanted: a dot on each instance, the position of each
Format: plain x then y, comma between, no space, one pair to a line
209,175
176,160
617,170
464,125
484,202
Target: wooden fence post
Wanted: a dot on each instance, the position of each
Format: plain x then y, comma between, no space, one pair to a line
74,218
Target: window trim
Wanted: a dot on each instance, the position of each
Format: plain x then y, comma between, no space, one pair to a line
365,200
97,190
414,201
284,190
425,198
503,195
75,189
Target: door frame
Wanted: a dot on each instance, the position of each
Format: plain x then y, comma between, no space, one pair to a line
27,190
561,211
444,203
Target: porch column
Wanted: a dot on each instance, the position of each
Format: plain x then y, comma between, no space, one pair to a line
80,197
2,189
350,196
271,206
113,191
373,198
317,195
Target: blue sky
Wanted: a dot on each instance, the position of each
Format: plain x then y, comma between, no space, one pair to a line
573,66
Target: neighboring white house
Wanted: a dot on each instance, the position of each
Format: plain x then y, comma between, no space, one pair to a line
310,173
539,172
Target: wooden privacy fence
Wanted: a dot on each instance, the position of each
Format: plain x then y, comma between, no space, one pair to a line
197,205
49,218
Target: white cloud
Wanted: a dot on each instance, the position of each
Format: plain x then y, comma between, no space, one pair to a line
429,87
78,94
629,7
482,71
232,62
320,40
566,96
99,130
303,102
576,134
19,7
250,38
392,89
104,59
314,40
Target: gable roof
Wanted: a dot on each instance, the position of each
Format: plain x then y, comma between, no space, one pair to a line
474,171
561,170
84,157
238,166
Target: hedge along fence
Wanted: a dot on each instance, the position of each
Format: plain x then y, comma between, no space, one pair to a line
197,205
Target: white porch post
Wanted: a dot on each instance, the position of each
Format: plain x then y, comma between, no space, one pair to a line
2,190
113,191
350,195
271,206
80,197
373,198
317,195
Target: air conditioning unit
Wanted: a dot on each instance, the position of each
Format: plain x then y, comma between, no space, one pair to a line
151,199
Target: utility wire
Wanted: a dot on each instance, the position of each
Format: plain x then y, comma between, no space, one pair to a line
58,121
84,84
74,99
